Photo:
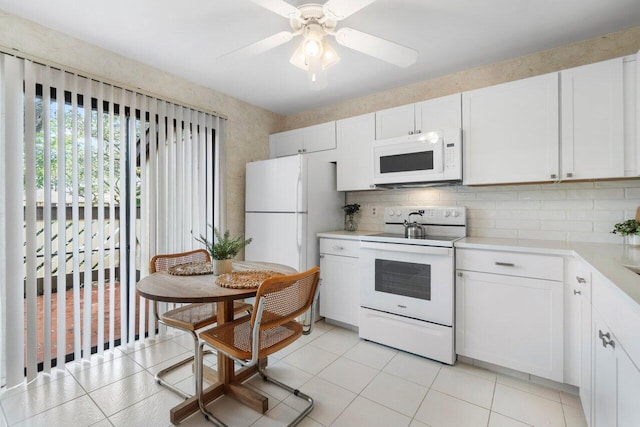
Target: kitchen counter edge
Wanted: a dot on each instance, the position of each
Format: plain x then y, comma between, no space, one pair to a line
347,235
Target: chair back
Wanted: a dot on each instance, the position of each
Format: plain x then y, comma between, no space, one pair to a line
164,262
286,297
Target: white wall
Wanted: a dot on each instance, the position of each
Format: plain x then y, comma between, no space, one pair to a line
571,212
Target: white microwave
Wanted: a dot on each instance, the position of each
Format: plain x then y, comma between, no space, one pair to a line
419,158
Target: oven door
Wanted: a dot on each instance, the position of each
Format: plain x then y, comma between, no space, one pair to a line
411,158
408,280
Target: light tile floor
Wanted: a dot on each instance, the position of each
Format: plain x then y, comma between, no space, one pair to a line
353,382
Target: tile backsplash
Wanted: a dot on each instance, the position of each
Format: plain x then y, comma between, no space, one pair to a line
581,211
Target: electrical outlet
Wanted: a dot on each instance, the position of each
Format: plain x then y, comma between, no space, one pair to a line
373,211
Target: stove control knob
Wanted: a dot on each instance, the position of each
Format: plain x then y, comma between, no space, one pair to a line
398,213
455,214
447,213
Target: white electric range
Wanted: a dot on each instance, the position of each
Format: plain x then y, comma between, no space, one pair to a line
407,284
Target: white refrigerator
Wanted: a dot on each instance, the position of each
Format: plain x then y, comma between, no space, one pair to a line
288,201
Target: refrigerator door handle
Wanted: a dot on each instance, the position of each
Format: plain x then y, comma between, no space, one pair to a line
298,231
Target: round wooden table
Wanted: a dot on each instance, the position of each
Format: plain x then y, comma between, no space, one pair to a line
165,287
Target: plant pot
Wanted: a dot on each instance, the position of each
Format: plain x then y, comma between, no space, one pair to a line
632,239
221,266
350,223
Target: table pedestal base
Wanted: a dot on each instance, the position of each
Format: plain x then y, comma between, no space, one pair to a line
244,394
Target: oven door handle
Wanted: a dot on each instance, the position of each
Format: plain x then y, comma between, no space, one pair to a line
413,249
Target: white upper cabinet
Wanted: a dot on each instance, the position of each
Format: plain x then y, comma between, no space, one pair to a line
439,113
577,124
510,132
433,114
305,140
592,112
395,122
355,137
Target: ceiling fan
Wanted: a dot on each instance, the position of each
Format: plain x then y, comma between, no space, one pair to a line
315,21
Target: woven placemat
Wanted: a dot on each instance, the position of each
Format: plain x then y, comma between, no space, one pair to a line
191,269
245,279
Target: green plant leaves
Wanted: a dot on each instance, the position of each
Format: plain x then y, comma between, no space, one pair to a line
223,246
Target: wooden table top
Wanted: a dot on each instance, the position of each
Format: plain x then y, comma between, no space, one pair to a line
162,286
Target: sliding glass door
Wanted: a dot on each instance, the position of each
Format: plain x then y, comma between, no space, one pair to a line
109,178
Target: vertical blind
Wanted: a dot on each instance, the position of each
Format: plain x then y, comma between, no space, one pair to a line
95,180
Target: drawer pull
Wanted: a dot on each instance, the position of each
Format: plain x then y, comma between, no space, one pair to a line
606,339
581,279
576,292
338,248
505,264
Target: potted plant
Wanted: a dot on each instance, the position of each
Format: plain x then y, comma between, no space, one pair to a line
630,229
222,249
350,211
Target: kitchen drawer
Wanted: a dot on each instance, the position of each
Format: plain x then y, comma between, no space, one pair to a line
510,263
349,248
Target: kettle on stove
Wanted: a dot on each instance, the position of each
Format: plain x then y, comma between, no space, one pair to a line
413,230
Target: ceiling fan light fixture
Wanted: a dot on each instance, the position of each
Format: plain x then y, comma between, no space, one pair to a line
298,59
312,47
328,59
329,56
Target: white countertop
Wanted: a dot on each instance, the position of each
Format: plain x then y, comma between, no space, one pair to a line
608,259
347,235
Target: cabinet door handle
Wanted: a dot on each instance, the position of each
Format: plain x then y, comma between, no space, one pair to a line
304,150
459,273
606,339
554,176
576,292
581,279
505,264
418,131
569,175
321,256
410,132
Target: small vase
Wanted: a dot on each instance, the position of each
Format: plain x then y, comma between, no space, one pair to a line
350,223
632,239
221,266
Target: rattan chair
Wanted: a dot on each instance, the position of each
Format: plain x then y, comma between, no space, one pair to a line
271,326
190,317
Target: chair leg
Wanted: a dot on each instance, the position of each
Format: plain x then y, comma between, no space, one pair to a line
160,374
290,389
199,388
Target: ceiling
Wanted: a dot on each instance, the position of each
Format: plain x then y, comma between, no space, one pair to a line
188,37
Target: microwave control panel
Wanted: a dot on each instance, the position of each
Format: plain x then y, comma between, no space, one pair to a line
452,148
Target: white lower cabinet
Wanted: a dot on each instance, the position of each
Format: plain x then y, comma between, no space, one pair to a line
616,361
586,346
616,381
507,320
340,280
577,306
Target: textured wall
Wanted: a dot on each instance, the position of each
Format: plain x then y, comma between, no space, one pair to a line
248,127
585,52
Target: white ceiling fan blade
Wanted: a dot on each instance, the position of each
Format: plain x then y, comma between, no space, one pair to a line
280,7
260,46
340,9
390,52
